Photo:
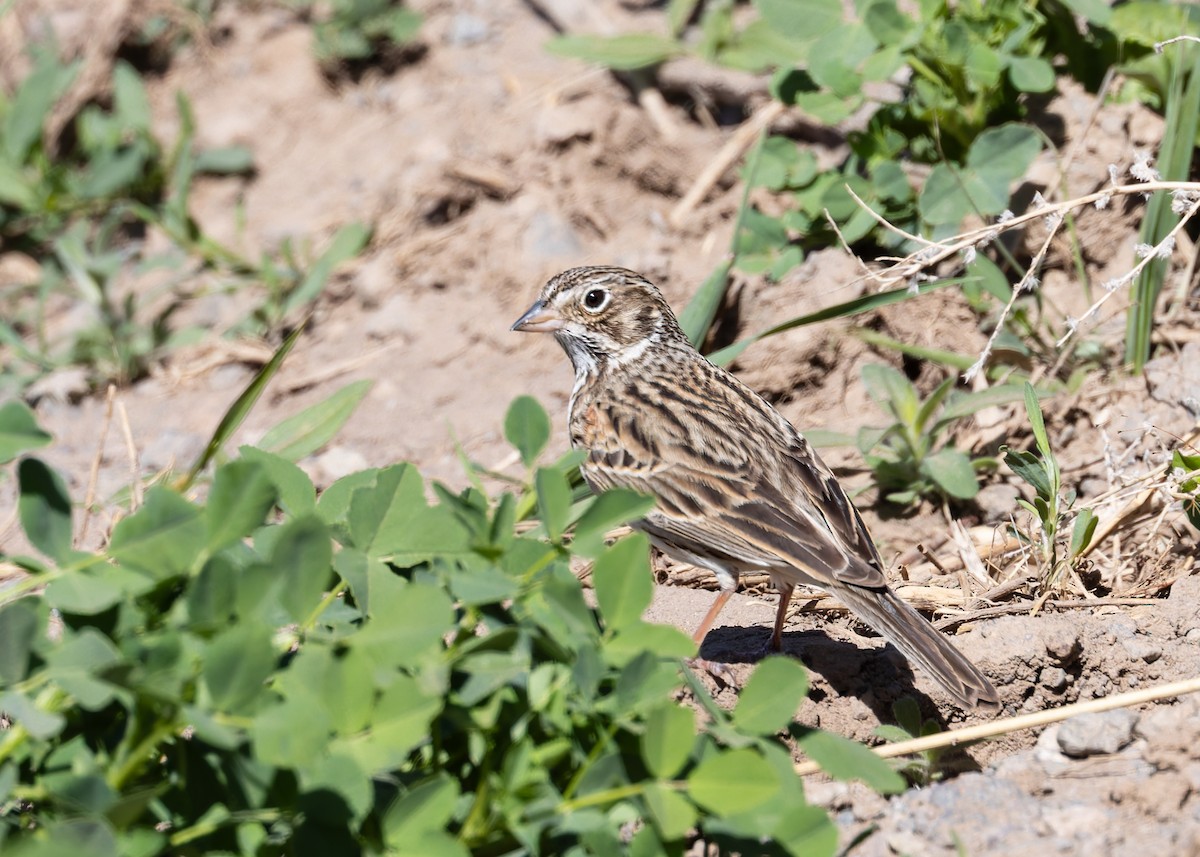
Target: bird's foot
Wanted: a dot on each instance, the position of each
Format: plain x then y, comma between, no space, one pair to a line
720,673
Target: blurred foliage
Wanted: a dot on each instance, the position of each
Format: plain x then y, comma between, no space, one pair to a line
80,208
270,672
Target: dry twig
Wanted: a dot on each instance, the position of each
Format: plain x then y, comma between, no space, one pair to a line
955,737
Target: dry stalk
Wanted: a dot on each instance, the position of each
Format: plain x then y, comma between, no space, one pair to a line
1008,725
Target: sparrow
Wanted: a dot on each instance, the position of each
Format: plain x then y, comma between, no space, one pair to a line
738,488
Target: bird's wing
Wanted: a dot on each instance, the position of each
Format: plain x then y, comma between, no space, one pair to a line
781,508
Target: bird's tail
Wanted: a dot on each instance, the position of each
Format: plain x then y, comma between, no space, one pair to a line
921,643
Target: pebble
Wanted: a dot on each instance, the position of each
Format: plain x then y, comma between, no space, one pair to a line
467,29
336,462
1062,644
1096,734
171,447
1143,649
393,318
1192,635
1054,678
62,385
997,502
549,236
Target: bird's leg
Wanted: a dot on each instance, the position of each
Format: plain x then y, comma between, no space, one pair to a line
785,598
711,616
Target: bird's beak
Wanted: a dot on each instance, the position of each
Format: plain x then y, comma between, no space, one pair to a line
539,318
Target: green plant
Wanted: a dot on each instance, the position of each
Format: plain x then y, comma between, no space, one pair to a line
1049,508
1187,467
909,458
271,672
920,768
80,213
1180,136
360,31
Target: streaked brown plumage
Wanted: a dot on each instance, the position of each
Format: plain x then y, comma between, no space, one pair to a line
738,488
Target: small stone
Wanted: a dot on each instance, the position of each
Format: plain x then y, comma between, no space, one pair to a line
1054,678
1062,644
1192,635
374,279
548,236
565,123
61,385
171,448
392,319
467,29
1140,648
997,501
336,462
1096,734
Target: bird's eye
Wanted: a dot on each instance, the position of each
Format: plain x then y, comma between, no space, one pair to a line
595,300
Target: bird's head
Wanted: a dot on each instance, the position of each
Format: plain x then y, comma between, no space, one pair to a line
602,316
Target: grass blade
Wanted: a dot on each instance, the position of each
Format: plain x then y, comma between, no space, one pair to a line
843,310
697,317
241,408
1174,162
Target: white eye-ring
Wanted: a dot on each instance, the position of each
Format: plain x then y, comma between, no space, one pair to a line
596,299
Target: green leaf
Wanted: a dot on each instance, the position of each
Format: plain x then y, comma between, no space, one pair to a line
39,723
697,317
236,665
306,432
286,734
241,495
1146,22
18,190
527,427
770,698
623,581
84,593
19,431
624,52
340,775
36,96
847,760
1082,531
554,501
228,160
1036,422
400,723
130,104
302,557
295,490
347,243
426,807
732,782
406,620
887,23
19,624
45,509
611,509
668,739
801,20
952,472
1031,74
163,538
1028,466
672,813
893,392
1095,11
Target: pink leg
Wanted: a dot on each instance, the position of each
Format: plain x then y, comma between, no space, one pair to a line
785,598
711,616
